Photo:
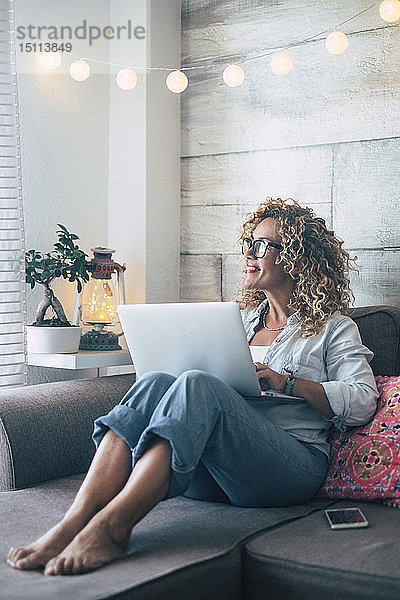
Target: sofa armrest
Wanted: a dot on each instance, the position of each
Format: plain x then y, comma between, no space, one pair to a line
46,429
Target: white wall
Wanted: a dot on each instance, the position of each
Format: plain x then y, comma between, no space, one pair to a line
64,147
64,139
144,183
127,154
102,161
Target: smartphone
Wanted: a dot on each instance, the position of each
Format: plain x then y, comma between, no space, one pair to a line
345,518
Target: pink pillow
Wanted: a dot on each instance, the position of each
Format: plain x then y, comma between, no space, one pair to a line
365,461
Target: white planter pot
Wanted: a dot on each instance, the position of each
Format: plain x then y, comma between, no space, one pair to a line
53,340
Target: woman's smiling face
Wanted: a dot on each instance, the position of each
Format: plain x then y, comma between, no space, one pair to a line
263,273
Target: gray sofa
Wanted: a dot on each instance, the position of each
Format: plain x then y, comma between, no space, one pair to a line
185,548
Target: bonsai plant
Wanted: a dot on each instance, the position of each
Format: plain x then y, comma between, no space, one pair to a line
67,261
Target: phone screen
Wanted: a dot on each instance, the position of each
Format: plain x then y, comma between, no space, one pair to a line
346,516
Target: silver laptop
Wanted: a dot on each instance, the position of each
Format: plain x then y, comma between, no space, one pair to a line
177,337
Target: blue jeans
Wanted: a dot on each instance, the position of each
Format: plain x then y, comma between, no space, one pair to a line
223,447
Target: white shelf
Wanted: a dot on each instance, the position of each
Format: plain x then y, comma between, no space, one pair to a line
83,359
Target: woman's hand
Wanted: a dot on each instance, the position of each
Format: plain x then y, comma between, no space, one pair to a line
311,391
269,379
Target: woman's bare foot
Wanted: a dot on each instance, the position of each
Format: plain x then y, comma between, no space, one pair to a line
96,545
37,554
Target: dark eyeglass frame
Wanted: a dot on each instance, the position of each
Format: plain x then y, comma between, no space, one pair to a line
251,243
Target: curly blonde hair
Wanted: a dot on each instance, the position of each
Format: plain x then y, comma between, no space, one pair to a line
322,283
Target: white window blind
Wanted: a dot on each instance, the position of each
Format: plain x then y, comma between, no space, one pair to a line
13,367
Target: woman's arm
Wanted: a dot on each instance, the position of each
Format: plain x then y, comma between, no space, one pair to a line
350,386
349,395
311,391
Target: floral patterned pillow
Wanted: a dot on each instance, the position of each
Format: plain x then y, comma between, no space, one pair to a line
365,461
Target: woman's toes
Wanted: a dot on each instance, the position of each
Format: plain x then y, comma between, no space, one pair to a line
20,563
10,553
50,567
56,566
59,567
68,566
10,556
14,560
30,561
83,565
16,554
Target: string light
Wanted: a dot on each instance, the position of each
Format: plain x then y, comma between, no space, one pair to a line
233,75
79,70
126,79
337,42
177,82
281,63
390,10
49,61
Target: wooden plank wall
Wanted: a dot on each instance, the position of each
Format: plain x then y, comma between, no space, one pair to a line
326,134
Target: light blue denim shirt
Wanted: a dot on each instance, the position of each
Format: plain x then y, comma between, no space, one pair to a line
336,358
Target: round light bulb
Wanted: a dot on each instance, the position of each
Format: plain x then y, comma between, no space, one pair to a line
281,63
233,75
79,70
390,10
49,61
337,42
177,82
126,79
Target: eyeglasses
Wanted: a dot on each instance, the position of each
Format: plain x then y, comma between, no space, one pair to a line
258,247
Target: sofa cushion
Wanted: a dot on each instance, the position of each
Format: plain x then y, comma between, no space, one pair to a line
365,461
379,328
182,549
306,560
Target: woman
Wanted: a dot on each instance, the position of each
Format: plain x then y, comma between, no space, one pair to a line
196,435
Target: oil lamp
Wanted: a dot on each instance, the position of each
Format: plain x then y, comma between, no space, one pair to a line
96,305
